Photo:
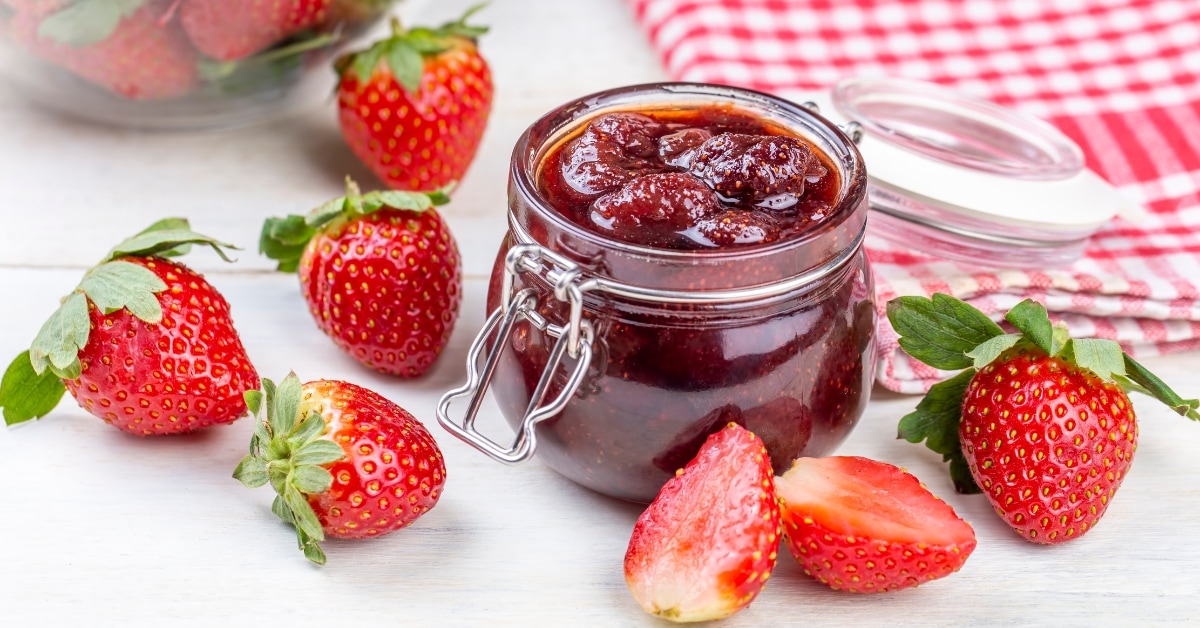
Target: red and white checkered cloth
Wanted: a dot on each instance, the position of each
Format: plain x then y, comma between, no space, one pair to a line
1120,77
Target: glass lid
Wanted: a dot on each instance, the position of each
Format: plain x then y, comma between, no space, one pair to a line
966,179
954,128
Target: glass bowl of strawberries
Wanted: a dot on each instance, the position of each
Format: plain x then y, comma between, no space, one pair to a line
177,64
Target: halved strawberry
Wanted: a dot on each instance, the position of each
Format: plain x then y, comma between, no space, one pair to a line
706,545
865,526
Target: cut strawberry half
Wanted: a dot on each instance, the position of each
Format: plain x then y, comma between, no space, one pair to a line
865,526
706,545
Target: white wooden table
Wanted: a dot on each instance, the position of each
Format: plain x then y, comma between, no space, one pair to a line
104,528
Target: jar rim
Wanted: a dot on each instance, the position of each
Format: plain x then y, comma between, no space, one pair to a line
558,122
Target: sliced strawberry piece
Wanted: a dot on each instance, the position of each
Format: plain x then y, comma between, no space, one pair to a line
706,545
865,526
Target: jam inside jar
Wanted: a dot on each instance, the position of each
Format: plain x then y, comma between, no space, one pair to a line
685,330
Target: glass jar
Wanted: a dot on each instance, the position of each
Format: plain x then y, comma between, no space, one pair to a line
617,360
177,64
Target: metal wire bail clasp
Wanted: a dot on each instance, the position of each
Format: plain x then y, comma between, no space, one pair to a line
573,339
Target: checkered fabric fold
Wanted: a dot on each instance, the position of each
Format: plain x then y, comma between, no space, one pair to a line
1120,77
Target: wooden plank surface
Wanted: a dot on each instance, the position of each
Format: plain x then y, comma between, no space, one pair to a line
105,528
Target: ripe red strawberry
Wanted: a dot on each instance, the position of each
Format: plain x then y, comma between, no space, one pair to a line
1040,421
140,57
865,526
707,544
413,107
380,272
228,30
344,461
144,343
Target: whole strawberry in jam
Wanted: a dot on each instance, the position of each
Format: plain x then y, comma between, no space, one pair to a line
669,202
344,461
688,179
143,343
228,30
1039,421
125,47
380,271
612,150
865,526
705,547
413,107
766,171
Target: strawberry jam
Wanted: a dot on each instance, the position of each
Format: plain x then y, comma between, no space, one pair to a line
689,179
712,239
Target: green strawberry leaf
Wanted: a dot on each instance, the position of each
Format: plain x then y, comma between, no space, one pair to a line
406,63
281,510
460,28
166,238
425,41
251,471
87,22
171,224
411,201
312,550
331,209
25,394
287,406
1031,318
311,479
254,401
305,519
1060,336
318,452
1158,389
268,390
1102,357
62,336
990,349
309,428
284,240
363,63
115,285
936,420
940,331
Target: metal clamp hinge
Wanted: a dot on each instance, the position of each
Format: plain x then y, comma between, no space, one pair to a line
573,338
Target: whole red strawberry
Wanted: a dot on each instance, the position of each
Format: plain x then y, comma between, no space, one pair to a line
228,30
1039,420
344,461
127,48
707,544
380,272
865,526
144,343
413,107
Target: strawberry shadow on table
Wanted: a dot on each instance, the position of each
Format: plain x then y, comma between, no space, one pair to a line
320,142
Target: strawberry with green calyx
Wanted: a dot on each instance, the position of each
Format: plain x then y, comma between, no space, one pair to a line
1039,421
122,45
344,461
143,343
380,272
413,106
